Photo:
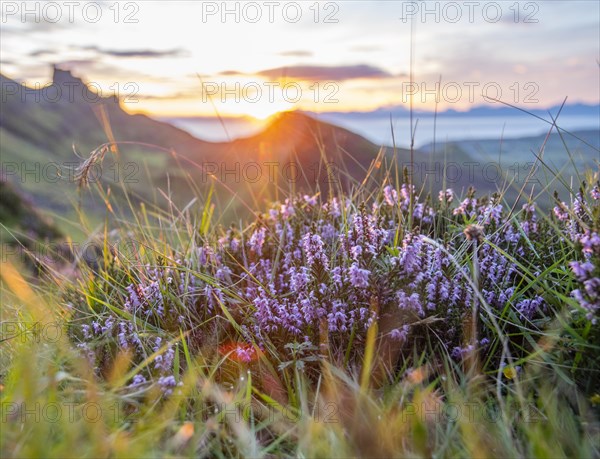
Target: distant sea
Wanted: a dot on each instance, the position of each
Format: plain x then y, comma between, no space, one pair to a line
378,130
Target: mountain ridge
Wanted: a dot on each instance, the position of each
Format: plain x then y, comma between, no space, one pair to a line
37,130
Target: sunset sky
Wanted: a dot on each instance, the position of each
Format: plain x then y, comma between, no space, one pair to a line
330,56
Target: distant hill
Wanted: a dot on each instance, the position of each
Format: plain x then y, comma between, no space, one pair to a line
39,130
493,109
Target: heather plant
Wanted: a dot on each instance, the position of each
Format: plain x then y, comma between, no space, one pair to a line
440,322
322,273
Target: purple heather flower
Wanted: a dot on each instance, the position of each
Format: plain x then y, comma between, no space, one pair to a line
590,242
460,353
410,302
333,208
406,191
299,278
466,207
595,193
164,362
591,307
592,287
287,209
134,299
223,273
314,249
85,329
166,384
529,208
356,252
446,196
329,232
561,212
528,307
400,334
137,380
310,200
245,354
358,277
338,319
257,240
581,270
390,196
336,276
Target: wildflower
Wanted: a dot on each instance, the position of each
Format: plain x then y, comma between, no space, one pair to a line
167,384
528,307
299,279
406,191
510,372
590,242
459,353
314,249
410,302
356,252
561,212
164,362
446,196
310,200
466,207
359,277
257,240
400,334
239,352
137,380
333,208
287,209
390,196
581,270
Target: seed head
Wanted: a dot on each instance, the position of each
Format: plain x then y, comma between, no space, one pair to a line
474,232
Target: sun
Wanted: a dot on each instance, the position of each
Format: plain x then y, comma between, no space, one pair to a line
257,111
262,114
264,110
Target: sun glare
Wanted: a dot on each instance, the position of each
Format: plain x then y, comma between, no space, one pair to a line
264,110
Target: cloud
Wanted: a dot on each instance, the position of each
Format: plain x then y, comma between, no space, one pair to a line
231,73
136,53
366,48
324,73
296,53
41,52
85,64
172,96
